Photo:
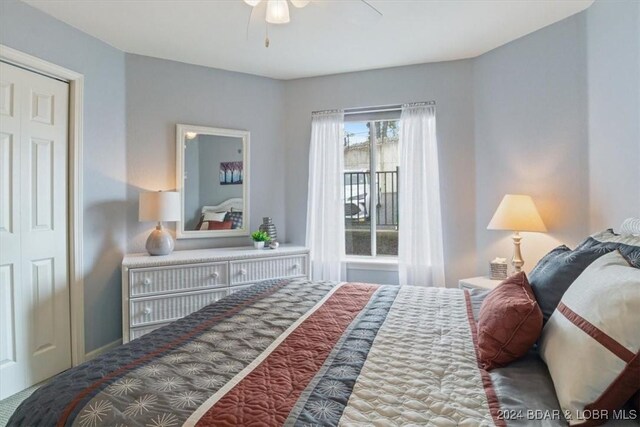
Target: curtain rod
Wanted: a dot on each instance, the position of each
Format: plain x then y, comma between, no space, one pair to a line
375,109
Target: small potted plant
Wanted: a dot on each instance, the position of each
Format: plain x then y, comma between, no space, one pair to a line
259,239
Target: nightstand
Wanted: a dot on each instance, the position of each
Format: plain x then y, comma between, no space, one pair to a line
480,282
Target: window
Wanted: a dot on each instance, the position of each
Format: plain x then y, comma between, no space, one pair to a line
371,187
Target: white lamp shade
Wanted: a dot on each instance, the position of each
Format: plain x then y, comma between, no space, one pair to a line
277,11
252,3
159,206
517,213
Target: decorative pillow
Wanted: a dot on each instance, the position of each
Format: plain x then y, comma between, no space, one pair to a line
216,225
235,217
214,216
542,264
553,275
591,343
630,226
509,323
627,244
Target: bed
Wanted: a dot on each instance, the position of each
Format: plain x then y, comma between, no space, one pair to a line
303,353
226,215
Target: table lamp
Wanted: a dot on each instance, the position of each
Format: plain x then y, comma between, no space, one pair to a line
517,213
159,206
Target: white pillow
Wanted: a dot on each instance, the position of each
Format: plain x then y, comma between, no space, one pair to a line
214,216
631,226
591,343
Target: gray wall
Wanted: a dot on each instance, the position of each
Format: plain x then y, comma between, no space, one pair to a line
387,275
613,48
162,93
31,31
447,83
531,137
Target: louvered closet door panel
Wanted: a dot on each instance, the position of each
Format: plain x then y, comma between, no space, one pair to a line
267,268
159,280
147,311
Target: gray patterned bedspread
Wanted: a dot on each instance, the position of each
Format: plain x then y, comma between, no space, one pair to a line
295,353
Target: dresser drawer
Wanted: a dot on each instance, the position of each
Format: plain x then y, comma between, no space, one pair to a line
267,268
148,311
138,332
158,280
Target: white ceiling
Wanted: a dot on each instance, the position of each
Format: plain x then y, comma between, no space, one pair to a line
326,37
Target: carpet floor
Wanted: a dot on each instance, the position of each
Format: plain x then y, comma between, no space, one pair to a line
9,405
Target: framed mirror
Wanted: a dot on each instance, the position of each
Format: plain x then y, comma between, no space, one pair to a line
212,176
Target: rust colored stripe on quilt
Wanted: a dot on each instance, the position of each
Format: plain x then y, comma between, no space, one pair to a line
62,421
492,397
267,394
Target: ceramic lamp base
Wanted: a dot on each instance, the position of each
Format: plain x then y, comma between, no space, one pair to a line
517,260
160,242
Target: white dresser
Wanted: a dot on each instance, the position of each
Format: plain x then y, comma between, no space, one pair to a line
157,290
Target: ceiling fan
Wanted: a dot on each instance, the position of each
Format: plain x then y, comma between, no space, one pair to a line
278,12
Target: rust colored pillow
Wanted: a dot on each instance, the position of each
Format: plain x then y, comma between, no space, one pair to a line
509,323
216,225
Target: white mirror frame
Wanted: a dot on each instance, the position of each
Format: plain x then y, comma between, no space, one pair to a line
181,131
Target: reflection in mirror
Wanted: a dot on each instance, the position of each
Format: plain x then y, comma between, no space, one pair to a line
214,181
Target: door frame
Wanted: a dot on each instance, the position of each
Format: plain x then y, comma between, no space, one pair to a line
75,203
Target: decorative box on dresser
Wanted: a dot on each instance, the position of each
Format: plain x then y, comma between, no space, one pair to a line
157,290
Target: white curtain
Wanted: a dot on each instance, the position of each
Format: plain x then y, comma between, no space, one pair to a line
325,204
420,243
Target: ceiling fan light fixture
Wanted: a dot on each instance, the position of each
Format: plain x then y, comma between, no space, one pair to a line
299,3
277,11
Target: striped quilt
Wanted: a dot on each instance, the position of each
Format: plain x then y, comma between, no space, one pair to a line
293,353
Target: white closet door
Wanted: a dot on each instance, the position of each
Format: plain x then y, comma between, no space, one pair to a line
35,338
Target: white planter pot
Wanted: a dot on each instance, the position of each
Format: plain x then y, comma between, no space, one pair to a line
258,245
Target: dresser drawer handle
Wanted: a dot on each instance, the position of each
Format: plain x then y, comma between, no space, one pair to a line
242,272
146,311
215,274
295,266
146,281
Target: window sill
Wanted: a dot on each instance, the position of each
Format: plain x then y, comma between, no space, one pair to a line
382,263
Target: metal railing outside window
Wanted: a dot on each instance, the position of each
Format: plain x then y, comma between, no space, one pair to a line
358,199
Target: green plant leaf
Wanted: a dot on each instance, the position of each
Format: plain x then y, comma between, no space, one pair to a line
260,236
